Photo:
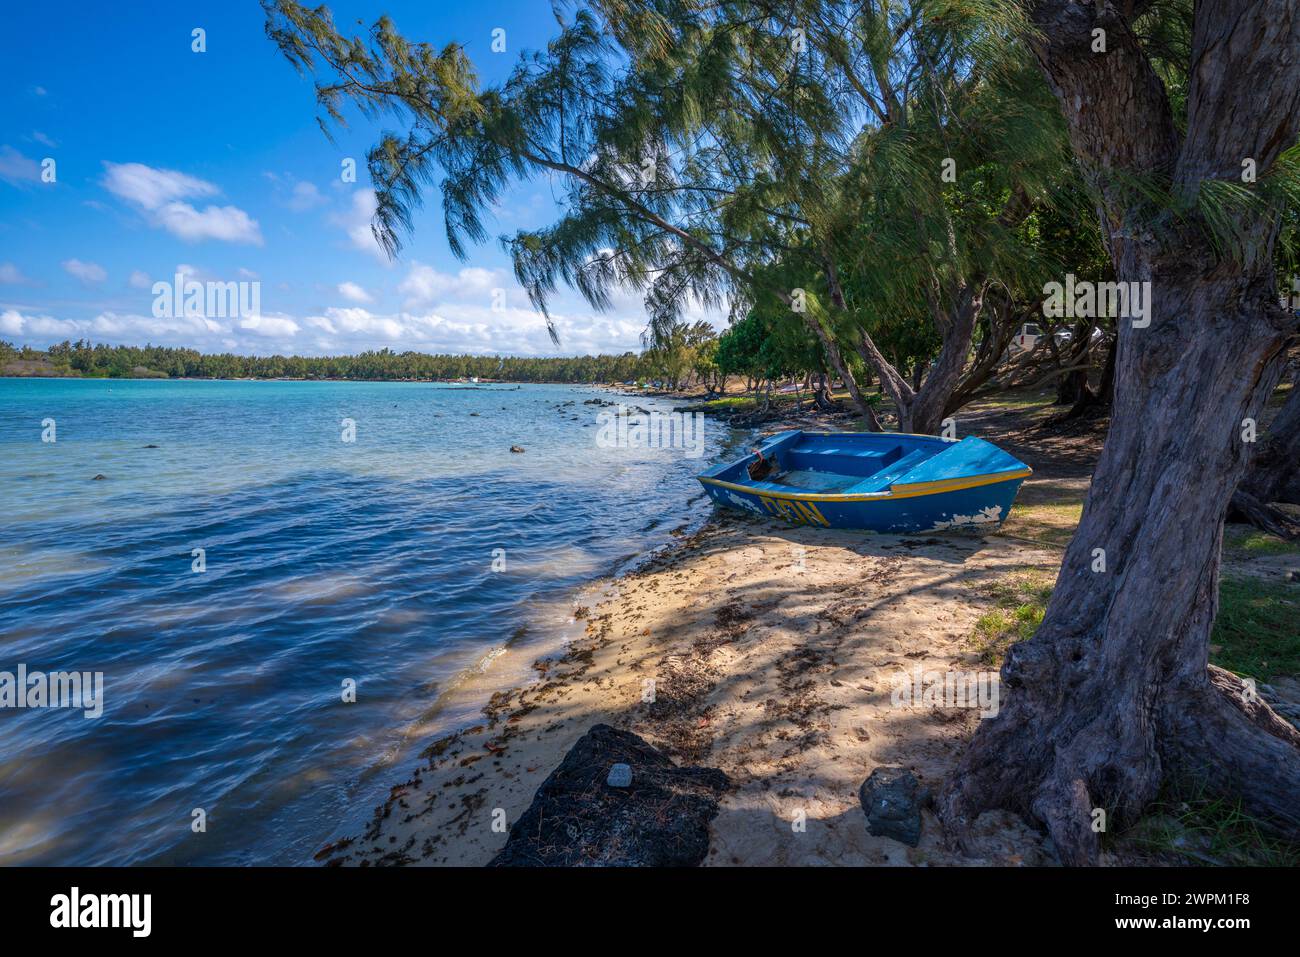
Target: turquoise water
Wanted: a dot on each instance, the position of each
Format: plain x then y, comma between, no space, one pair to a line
326,561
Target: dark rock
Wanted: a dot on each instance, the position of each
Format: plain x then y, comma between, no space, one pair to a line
577,820
1294,575
516,448
892,799
150,446
99,478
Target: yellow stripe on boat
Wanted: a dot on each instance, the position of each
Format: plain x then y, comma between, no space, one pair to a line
898,491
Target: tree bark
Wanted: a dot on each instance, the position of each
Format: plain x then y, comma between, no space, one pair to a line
1072,387
1274,475
822,395
1113,697
1106,388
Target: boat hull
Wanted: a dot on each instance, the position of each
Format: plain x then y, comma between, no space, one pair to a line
982,507
877,482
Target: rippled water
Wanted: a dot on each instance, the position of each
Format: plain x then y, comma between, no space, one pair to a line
325,561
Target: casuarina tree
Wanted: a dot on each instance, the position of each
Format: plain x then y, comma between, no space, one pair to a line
1113,698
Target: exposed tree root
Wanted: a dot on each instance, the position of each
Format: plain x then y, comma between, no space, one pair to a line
1269,518
1218,737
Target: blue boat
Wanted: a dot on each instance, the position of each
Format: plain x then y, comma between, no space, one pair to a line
880,481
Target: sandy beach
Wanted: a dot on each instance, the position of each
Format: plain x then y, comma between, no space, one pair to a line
774,653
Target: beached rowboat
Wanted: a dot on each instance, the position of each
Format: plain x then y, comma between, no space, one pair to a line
881,481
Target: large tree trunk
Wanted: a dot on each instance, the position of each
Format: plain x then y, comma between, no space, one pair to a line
1113,697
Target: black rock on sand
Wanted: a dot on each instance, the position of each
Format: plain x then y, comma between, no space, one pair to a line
578,820
892,799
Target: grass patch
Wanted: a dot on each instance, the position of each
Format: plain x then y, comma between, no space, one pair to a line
1204,830
747,403
751,403
1015,400
1020,599
1255,631
730,403
1051,524
1247,542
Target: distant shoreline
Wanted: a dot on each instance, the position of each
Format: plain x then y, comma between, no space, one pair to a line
461,382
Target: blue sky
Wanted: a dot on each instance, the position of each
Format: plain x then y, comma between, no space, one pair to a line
212,164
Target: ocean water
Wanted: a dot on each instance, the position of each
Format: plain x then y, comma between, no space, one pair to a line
326,561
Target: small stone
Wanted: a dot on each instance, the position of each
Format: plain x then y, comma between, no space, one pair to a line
1293,575
892,799
99,478
620,776
516,448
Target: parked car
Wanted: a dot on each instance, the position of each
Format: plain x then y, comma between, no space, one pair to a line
1064,337
1026,338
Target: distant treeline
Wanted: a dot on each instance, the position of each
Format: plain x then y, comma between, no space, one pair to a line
83,358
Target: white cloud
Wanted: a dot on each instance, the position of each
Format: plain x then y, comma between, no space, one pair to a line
171,330
153,188
14,323
281,326
354,293
139,279
11,275
451,329
158,194
16,168
470,328
356,223
424,285
131,329
305,196
227,223
44,140
86,272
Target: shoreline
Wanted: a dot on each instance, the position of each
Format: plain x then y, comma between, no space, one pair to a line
645,624
774,652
